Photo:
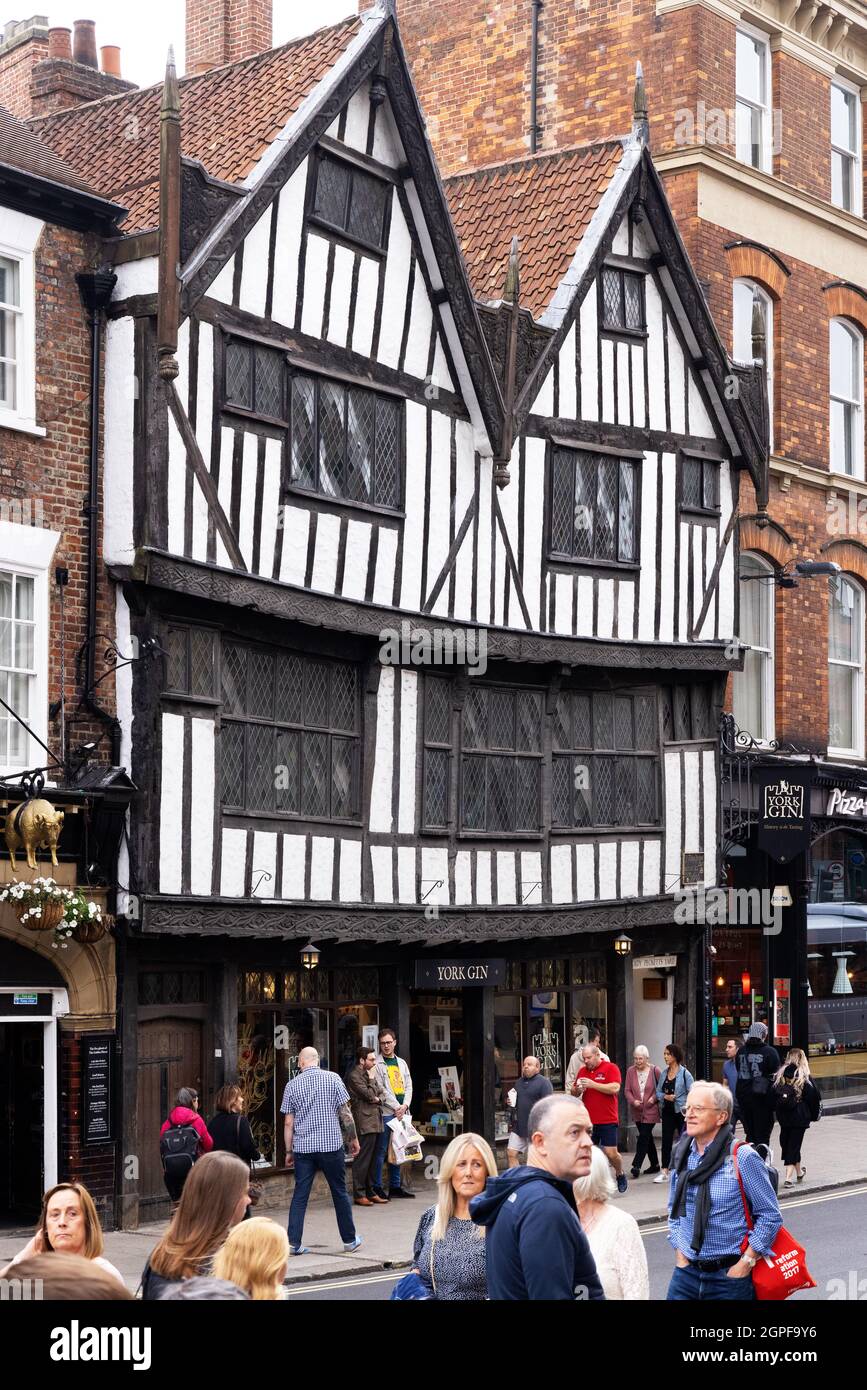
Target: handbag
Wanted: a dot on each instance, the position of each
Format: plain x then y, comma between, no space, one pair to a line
784,1271
411,1286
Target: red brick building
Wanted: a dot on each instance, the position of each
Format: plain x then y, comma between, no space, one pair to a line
57,702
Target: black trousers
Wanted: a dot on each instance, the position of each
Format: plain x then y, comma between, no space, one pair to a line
645,1148
672,1128
791,1139
757,1117
362,1178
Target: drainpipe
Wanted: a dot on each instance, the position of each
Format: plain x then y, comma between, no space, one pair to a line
534,78
95,288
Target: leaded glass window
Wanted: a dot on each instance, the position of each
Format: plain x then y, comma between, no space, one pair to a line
622,294
289,741
351,201
605,760
191,662
254,378
437,752
345,441
699,484
501,758
594,507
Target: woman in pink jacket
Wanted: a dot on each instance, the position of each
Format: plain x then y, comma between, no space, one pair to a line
184,1137
640,1089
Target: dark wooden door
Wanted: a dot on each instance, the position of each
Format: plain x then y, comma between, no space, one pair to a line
169,1056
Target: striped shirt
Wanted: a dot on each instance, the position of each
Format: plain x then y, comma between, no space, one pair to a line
727,1224
314,1097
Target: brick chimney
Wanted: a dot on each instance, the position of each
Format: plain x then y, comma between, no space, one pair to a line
45,70
23,44
225,31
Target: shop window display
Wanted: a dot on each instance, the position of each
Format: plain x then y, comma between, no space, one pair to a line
837,964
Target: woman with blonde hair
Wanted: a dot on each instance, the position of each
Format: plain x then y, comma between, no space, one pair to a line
449,1249
797,1103
68,1225
255,1257
214,1199
613,1235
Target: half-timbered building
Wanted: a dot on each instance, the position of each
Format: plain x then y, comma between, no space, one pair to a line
427,496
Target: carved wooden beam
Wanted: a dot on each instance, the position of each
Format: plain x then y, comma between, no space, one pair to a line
169,288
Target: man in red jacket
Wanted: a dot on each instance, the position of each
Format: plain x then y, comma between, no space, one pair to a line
184,1137
597,1085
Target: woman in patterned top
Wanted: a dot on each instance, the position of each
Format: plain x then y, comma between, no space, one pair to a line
449,1249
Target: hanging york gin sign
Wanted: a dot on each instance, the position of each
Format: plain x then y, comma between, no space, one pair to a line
783,829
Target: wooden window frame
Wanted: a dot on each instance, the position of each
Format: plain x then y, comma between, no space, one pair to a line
705,462
557,557
635,755
298,488
621,330
354,170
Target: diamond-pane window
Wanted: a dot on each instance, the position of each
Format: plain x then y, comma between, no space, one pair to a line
622,301
700,484
271,758
593,507
254,378
437,714
239,377
345,442
436,786
601,788
176,661
201,662
500,784
351,201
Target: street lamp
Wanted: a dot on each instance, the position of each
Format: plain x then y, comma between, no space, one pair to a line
310,956
623,944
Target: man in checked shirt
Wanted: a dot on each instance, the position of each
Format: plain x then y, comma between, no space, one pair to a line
317,1126
706,1221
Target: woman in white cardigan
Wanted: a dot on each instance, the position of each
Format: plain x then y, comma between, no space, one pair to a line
613,1234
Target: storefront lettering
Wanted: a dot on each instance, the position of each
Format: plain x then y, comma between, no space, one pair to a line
452,973
839,804
546,1046
457,974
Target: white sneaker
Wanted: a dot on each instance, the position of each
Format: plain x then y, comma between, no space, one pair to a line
663,1177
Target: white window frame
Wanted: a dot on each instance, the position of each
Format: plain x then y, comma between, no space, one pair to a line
768,310
764,108
854,403
29,551
854,155
767,590
857,667
18,237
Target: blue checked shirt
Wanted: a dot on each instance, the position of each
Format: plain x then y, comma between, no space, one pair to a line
314,1097
727,1224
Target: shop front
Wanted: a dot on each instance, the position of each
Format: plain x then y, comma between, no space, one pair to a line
796,957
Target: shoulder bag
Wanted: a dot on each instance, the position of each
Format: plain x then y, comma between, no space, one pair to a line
783,1272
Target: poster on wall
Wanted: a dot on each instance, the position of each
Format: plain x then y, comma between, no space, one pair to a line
451,1088
439,1033
782,1013
368,1036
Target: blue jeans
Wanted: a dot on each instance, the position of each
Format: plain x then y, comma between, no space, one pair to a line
690,1285
379,1157
334,1168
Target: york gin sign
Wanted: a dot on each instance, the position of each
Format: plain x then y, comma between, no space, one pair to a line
784,811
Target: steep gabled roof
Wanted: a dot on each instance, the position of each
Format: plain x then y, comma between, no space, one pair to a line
229,118
546,200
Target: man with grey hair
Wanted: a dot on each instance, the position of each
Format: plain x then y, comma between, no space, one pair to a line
317,1126
535,1247
715,1251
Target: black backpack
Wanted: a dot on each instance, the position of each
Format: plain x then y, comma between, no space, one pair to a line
179,1149
785,1096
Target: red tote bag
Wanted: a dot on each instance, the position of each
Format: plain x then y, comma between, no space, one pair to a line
784,1271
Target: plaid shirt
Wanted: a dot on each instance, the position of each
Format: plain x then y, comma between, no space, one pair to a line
314,1097
727,1225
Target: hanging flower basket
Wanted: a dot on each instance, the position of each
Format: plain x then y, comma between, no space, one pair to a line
42,905
93,929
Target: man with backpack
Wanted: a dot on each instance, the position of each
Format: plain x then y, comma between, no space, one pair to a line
184,1137
757,1065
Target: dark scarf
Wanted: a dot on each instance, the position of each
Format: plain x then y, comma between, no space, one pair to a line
711,1161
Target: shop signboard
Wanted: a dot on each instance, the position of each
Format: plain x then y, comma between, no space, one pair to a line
783,828
96,1110
843,802
459,974
782,1012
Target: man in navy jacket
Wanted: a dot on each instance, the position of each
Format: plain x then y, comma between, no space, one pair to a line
536,1249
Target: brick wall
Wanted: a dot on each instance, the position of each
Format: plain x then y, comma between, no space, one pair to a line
16,68
45,479
225,31
58,84
91,1164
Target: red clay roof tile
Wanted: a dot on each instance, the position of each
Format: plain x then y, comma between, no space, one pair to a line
229,116
547,200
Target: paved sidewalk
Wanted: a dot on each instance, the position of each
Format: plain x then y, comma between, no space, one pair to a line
835,1155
